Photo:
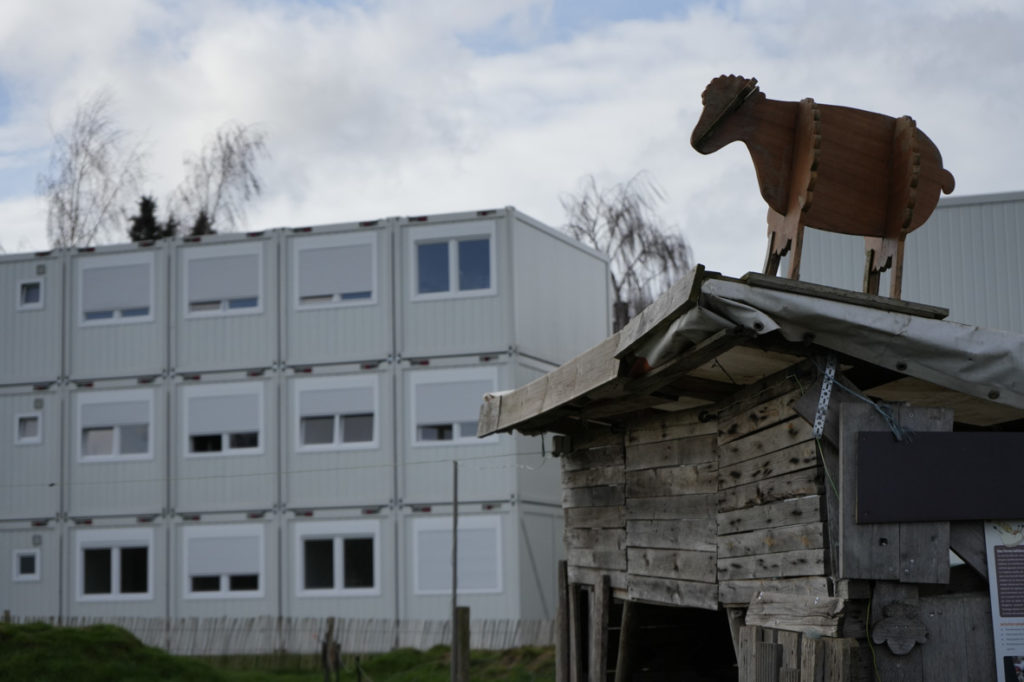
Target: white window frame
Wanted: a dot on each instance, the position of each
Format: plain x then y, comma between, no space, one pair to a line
452,235
114,539
114,261
16,573
447,376
224,251
471,522
31,440
227,389
38,305
337,531
131,395
329,242
234,530
370,381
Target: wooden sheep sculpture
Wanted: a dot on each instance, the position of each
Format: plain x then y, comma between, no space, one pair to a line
829,167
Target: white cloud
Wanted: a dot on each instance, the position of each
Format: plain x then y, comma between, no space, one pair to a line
398,106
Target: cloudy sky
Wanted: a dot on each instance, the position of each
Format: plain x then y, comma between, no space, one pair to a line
376,108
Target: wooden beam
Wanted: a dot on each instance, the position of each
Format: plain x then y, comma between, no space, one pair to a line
843,296
562,625
680,298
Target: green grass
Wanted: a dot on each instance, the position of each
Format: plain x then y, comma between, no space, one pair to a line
103,653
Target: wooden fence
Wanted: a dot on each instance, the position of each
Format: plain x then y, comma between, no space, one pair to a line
265,634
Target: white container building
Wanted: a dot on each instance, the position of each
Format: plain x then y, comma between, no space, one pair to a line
263,425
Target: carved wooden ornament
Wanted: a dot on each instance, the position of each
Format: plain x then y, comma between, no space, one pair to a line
829,167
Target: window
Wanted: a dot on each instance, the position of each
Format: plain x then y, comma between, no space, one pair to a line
223,561
330,273
224,419
479,554
30,294
222,280
28,428
337,558
336,413
115,425
114,564
454,261
446,405
116,290
26,565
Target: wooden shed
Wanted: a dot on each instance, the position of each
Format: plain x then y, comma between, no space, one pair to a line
764,479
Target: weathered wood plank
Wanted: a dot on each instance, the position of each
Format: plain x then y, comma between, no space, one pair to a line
583,575
776,514
595,517
672,592
790,642
693,534
696,450
767,660
771,540
669,426
562,645
794,458
749,636
909,552
601,603
596,496
812,660
736,592
679,480
760,417
960,642
924,547
788,486
869,551
699,506
783,435
814,616
781,565
680,297
595,538
608,455
595,476
612,560
675,564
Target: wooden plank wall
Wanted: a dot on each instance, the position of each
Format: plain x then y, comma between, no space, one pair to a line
772,535
671,474
642,511
767,655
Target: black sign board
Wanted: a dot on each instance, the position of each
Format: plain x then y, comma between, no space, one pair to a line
939,476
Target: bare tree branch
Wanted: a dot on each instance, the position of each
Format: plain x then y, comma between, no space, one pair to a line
223,176
646,255
94,168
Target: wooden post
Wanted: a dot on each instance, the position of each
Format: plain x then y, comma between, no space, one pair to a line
461,658
627,633
562,625
455,571
325,650
599,630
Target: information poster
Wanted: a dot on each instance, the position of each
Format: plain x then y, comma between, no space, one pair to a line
1004,541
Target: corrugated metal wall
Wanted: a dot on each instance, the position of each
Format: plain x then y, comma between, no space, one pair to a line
966,258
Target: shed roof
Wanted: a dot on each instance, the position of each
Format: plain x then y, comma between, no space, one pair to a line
710,335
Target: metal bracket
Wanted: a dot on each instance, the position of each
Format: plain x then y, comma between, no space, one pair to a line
825,397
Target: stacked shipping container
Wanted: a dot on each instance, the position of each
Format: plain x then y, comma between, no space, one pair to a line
265,424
